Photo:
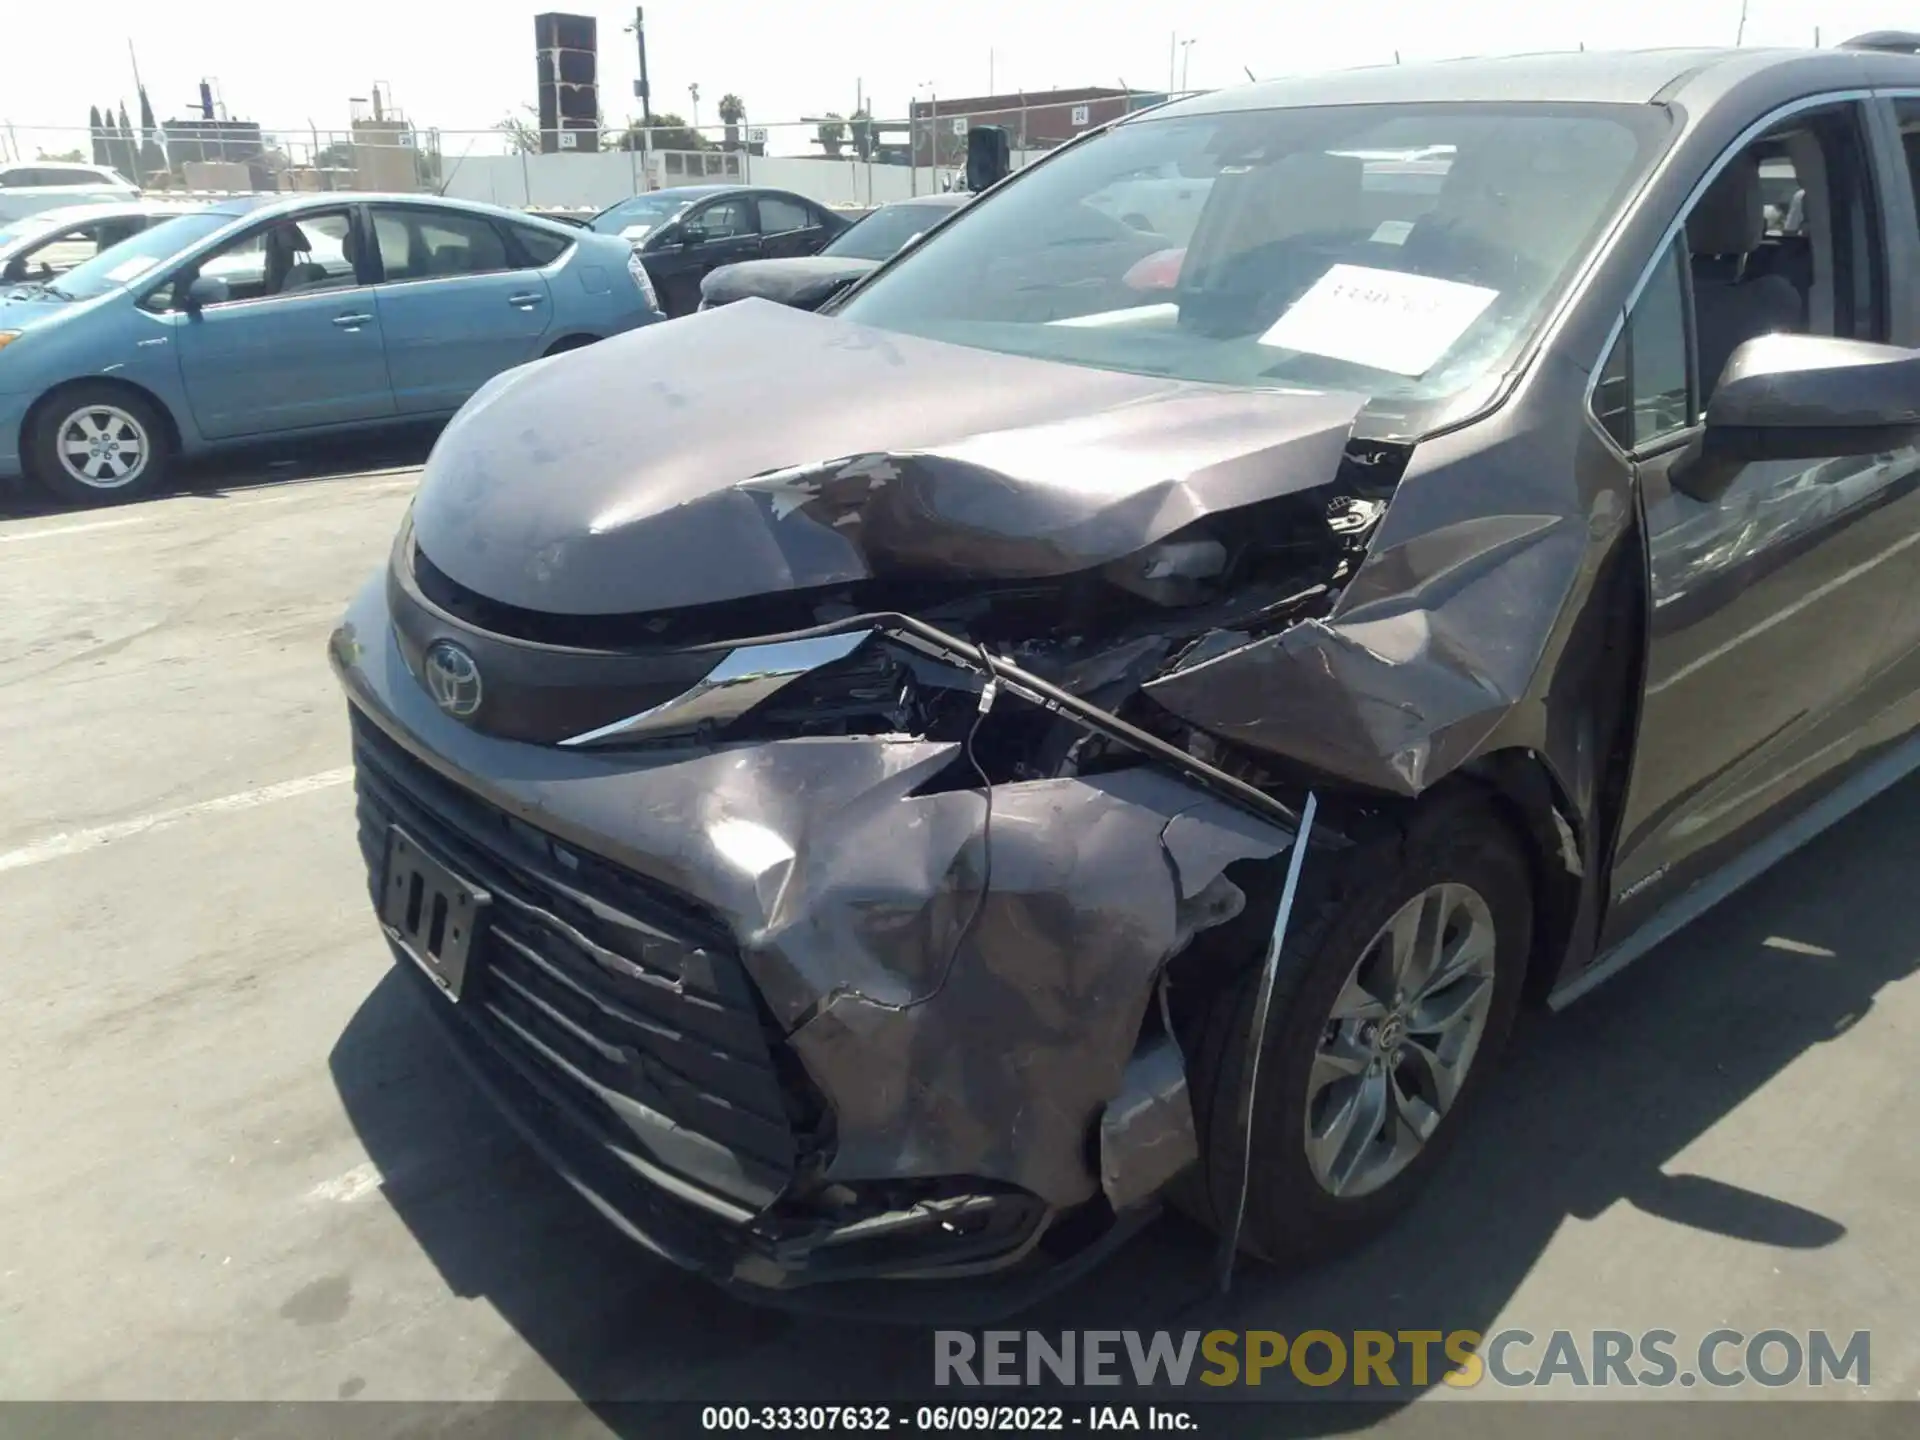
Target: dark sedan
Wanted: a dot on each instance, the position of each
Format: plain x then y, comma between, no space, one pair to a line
682,233
807,282
1100,737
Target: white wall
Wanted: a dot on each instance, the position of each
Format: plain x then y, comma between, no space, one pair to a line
599,180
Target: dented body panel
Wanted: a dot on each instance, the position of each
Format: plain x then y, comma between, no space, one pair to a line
1095,634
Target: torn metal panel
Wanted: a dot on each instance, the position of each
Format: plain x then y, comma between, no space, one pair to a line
1084,906
1147,1136
869,456
887,926
1445,644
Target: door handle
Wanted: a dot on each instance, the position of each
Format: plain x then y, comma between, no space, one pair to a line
352,322
525,301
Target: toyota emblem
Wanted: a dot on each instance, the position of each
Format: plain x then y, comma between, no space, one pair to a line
453,680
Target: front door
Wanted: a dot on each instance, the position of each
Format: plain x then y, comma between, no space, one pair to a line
718,233
1772,606
454,305
295,343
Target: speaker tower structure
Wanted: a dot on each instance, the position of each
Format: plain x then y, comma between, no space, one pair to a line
567,52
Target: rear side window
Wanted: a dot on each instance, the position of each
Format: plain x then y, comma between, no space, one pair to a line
541,247
425,245
779,215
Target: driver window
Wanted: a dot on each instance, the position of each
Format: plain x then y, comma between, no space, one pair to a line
287,257
1785,239
1643,395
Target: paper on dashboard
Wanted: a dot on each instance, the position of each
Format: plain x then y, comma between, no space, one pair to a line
1383,319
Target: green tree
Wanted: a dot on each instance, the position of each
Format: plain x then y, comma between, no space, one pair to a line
669,132
75,156
831,132
521,130
337,156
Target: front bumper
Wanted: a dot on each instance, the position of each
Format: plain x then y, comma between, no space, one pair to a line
755,1004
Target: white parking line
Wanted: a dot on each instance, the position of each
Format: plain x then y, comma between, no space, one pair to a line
77,842
276,495
54,532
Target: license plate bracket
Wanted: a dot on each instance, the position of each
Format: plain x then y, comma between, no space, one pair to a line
431,913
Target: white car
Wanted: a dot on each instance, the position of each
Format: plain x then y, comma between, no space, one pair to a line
48,243
29,186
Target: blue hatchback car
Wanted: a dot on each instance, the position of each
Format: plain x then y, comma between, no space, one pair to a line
269,316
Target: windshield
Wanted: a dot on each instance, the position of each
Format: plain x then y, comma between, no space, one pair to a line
639,216
133,257
1394,250
884,231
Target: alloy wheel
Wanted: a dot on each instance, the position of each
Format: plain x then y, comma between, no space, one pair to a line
1400,1039
103,447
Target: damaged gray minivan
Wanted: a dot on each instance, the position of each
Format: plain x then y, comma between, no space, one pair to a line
1105,717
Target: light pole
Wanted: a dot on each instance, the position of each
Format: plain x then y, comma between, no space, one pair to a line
933,143
1185,47
693,91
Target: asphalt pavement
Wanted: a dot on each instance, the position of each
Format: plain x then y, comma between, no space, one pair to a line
237,1164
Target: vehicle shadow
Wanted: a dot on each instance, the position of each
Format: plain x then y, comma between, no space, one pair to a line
1595,1105
241,472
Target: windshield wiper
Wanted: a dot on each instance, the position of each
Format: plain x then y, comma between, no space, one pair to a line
57,292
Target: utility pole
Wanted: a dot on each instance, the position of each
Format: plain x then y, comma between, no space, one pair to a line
1740,35
642,91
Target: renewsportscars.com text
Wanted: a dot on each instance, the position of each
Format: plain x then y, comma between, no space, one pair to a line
1384,1359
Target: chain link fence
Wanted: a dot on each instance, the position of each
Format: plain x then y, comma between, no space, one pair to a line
847,162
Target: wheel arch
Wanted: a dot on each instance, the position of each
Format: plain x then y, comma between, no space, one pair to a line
49,398
1523,791
572,340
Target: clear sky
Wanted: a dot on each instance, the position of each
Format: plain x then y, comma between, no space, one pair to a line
463,66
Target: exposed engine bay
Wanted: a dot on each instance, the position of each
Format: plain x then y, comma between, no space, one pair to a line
830,662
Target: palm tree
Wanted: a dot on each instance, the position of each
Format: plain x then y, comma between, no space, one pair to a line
732,111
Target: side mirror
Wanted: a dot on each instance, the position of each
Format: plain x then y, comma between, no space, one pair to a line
1802,397
207,290
15,272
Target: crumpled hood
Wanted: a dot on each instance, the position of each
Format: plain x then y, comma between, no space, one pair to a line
801,280
753,449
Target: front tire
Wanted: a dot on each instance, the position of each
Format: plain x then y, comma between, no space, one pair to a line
99,445
1388,1015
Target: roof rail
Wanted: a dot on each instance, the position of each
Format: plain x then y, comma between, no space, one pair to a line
1890,42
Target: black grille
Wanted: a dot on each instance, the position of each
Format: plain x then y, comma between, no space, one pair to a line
622,1003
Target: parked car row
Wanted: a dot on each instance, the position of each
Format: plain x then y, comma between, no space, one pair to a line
806,282
135,331
684,233
33,185
269,316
